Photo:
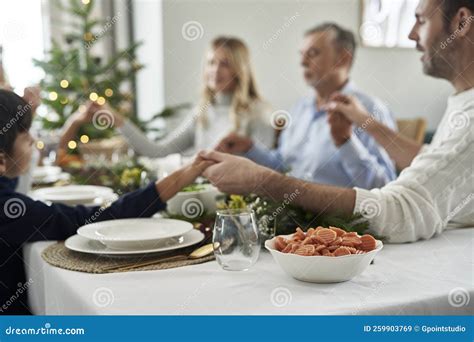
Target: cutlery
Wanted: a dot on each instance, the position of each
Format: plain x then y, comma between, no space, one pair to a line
198,253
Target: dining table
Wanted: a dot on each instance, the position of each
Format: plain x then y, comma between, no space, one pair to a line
428,277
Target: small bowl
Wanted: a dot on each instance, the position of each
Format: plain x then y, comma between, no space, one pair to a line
194,203
322,269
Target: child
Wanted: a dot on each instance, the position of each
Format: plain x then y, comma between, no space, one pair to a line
24,220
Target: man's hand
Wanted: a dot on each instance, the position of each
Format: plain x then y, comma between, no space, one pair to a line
171,185
232,174
235,144
350,107
31,95
341,128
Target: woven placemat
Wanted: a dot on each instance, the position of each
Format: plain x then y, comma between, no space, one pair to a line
58,255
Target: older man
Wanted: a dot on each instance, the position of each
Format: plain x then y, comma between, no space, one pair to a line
437,185
316,146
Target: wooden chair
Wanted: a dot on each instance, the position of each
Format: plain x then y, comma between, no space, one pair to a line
413,128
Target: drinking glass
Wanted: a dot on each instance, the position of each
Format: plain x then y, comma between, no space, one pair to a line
235,238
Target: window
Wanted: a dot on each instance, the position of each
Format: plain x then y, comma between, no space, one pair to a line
21,37
387,23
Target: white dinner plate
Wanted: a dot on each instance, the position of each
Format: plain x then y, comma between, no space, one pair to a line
81,244
72,194
134,233
41,172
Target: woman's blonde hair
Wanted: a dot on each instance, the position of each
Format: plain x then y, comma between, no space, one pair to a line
245,91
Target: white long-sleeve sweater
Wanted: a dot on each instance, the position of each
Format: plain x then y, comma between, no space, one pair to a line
191,133
437,190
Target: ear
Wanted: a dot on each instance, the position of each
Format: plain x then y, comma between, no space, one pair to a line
3,163
344,58
462,22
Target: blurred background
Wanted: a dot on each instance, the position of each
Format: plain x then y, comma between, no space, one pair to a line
165,69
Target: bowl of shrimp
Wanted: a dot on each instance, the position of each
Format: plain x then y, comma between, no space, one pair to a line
323,255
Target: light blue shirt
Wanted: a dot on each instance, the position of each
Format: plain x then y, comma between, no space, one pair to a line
306,148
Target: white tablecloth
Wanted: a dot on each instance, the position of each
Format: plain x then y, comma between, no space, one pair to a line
427,277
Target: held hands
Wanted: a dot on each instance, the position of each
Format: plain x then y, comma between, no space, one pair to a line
171,185
92,109
232,174
341,128
234,144
349,106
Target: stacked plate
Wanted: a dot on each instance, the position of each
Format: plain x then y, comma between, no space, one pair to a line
48,174
89,195
134,236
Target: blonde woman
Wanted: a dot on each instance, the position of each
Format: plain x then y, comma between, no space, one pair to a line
230,102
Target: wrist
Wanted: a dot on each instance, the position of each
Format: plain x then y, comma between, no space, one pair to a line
169,186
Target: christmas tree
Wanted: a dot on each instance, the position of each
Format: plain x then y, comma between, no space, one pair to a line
74,75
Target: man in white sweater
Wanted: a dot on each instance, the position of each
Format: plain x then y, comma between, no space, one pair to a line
436,188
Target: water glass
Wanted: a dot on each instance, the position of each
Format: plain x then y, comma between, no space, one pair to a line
235,238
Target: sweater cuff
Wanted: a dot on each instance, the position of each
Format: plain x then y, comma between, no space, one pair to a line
366,203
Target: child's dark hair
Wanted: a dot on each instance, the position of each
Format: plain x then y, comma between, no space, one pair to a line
15,118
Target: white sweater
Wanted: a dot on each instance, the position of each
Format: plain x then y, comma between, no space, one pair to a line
191,133
436,189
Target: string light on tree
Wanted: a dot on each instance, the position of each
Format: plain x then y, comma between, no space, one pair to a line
109,92
84,139
88,36
72,144
64,84
53,96
39,145
64,101
93,97
101,100
86,2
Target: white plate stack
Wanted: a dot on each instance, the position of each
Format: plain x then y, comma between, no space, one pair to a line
49,174
134,236
88,195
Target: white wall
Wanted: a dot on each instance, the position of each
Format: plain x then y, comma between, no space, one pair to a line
392,74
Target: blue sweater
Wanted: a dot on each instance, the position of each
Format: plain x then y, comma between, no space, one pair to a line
23,220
